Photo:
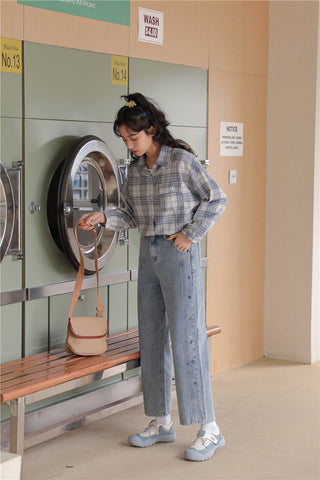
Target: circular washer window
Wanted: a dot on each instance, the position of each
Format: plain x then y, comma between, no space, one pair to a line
7,211
87,180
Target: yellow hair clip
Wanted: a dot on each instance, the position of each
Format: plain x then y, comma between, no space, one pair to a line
131,104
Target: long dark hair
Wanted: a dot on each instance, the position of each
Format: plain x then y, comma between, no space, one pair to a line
141,113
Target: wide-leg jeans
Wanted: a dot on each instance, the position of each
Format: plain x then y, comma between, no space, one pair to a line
171,309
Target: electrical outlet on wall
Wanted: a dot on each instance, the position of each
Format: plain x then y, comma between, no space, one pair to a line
232,176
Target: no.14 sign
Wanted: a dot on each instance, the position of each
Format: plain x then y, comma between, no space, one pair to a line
119,70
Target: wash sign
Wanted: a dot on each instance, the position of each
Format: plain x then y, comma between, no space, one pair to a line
150,26
231,139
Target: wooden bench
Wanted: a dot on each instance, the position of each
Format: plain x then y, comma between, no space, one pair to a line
44,375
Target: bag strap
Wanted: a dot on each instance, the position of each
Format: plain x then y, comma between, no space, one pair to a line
79,280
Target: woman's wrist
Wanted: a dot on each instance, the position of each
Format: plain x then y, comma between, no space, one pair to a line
102,218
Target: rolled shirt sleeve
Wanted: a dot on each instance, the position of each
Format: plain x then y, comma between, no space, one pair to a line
121,218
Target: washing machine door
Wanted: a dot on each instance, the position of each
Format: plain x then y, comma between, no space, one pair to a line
86,181
7,211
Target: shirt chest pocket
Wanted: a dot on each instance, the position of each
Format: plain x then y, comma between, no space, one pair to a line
172,197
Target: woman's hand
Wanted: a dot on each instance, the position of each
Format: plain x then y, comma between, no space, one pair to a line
88,220
181,241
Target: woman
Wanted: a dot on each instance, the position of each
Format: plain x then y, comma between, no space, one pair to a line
173,202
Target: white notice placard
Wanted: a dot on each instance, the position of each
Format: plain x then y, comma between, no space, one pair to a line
231,139
150,26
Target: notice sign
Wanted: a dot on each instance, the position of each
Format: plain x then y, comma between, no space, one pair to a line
119,70
231,139
150,26
11,55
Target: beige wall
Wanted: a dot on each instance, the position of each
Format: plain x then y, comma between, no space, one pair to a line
315,315
237,92
292,210
231,40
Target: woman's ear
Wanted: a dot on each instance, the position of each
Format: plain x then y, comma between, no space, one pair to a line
151,130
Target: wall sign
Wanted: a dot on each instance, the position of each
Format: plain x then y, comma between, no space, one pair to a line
114,11
150,26
231,139
11,55
119,70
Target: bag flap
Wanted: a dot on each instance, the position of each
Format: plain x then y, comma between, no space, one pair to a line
88,327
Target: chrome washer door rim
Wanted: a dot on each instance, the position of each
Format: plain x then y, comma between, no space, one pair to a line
9,211
96,156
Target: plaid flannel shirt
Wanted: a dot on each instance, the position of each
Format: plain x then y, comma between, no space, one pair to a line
176,195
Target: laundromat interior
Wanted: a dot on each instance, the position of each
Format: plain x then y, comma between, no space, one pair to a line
220,61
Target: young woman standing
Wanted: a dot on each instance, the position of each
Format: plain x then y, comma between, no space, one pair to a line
173,202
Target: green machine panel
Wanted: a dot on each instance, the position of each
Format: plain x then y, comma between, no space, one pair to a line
36,337
118,308
181,91
47,144
11,95
11,331
67,84
60,109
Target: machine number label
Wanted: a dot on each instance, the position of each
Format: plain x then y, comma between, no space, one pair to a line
11,55
119,70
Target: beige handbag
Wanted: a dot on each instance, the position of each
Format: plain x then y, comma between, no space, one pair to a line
86,335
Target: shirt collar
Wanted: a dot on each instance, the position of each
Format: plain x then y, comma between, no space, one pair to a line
162,159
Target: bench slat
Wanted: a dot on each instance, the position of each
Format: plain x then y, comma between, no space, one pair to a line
74,365
36,373
64,374
49,361
47,356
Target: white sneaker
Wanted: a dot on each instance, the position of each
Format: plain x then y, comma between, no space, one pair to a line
204,446
154,433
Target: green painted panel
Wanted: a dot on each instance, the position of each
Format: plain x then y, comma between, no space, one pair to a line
11,152
11,331
195,137
36,326
4,413
117,312
132,373
134,246
203,245
132,305
62,83
180,91
46,144
11,95
118,261
11,141
114,11
10,274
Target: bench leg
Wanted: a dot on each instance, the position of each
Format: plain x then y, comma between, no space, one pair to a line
17,425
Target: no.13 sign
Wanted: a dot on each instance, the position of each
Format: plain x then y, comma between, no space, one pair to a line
11,55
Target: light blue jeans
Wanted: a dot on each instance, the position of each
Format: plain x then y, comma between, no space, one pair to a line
171,307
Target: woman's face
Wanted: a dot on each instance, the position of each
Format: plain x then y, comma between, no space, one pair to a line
139,143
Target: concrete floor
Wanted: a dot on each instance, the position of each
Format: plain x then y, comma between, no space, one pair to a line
268,412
